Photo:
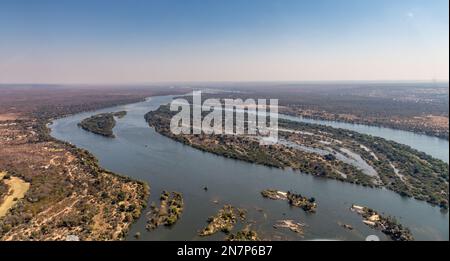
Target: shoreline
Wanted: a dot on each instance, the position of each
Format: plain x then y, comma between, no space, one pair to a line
39,134
372,124
48,124
154,118
138,228
145,186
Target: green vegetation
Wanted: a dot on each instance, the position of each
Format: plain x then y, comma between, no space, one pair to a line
319,150
120,114
223,221
170,210
65,182
419,108
296,200
418,175
102,124
55,188
388,225
3,188
244,235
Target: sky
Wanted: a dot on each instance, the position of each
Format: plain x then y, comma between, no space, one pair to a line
140,41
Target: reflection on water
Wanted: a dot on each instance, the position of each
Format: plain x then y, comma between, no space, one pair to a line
141,153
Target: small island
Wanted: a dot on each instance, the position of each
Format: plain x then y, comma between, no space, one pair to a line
388,225
170,210
223,221
102,124
291,225
296,200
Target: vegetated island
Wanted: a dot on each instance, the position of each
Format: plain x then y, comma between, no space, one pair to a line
324,151
170,210
296,200
245,234
387,225
102,124
69,197
225,220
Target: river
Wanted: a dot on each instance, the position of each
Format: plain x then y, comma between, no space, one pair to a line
139,152
433,146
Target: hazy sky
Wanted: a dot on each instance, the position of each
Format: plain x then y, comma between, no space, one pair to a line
112,41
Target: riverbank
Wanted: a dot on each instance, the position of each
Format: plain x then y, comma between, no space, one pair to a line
69,194
332,153
430,125
141,153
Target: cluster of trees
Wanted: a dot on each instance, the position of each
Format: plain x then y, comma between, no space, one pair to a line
3,190
394,106
169,212
419,175
101,124
424,177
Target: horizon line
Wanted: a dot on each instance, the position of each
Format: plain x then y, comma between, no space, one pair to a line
230,82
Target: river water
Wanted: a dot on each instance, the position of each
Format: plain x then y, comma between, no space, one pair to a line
141,153
433,146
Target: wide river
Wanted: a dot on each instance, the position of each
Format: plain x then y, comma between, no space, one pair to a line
139,152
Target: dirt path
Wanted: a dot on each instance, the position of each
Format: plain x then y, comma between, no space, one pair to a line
17,190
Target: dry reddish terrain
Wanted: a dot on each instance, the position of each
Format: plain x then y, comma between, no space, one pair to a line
417,107
8,116
69,194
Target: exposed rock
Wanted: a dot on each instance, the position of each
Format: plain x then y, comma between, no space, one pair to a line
72,238
296,200
346,226
387,225
291,225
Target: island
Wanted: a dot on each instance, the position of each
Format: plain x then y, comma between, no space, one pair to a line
102,124
388,225
225,220
170,210
295,200
327,152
